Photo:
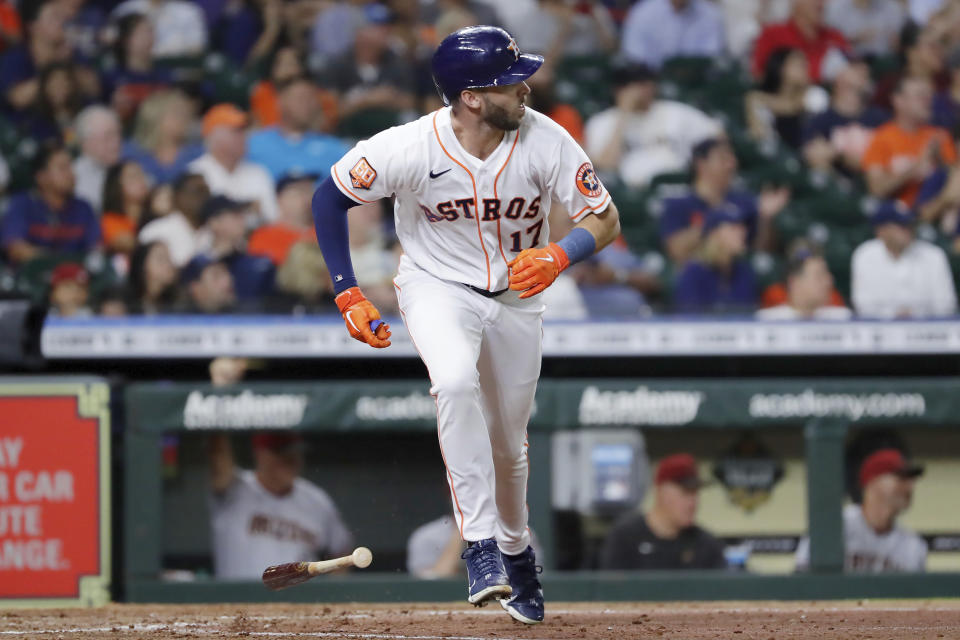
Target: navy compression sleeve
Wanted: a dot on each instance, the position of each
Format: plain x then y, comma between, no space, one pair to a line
330,220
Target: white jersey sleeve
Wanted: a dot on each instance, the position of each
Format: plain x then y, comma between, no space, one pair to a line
375,168
572,180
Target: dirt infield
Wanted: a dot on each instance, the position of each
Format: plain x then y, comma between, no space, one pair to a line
879,620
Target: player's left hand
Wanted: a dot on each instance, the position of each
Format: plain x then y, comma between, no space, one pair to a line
533,270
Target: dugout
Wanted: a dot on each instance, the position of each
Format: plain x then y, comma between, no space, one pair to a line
380,464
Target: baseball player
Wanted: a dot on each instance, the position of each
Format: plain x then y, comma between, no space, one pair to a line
473,184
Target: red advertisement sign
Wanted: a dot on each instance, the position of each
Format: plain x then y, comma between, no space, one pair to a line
52,487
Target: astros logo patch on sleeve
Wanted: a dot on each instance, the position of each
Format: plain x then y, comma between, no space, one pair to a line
362,174
587,181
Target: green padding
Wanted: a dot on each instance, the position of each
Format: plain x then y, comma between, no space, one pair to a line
560,404
568,587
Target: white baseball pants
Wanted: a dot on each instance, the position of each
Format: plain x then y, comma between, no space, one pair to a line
483,357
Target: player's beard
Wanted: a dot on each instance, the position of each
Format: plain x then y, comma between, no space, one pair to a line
498,117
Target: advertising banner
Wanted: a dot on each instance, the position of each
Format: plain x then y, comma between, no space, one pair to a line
54,492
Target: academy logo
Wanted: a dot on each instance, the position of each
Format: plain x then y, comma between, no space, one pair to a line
247,410
362,175
810,404
587,181
416,406
639,407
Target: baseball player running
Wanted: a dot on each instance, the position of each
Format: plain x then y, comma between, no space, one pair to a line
474,182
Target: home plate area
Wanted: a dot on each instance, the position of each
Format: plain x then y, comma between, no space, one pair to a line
877,619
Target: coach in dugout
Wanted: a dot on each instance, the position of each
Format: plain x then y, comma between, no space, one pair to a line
666,537
873,541
268,515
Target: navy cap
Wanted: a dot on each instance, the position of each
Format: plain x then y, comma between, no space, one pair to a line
220,204
194,269
295,176
717,217
892,211
625,73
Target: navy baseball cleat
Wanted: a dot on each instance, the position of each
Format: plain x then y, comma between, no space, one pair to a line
486,577
526,605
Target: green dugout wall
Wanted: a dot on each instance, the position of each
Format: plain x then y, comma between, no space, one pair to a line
823,409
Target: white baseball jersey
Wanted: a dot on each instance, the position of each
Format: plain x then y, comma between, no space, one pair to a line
253,528
462,219
867,551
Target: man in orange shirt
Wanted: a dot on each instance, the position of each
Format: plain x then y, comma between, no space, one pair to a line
907,150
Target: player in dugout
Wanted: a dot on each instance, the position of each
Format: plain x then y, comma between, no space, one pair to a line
666,537
268,515
873,541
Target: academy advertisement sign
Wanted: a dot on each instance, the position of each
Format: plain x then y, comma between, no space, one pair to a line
54,493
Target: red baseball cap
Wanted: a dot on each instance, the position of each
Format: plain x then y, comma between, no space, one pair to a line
887,461
680,468
69,271
277,440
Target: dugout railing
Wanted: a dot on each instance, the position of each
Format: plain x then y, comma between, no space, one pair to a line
823,408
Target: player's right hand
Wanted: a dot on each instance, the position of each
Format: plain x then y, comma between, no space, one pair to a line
362,318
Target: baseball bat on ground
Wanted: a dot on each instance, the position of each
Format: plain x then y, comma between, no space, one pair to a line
281,576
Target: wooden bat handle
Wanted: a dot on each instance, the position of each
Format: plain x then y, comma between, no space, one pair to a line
361,558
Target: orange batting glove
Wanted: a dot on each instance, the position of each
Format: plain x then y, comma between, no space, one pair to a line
362,318
533,270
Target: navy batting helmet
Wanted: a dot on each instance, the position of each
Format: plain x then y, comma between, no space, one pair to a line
475,57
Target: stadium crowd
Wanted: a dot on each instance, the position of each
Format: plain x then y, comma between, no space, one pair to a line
789,159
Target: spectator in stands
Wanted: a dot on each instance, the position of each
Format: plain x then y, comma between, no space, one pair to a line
125,200
161,136
666,537
616,282
283,66
640,136
907,150
543,98
370,78
134,78
656,30
112,302
180,29
896,275
744,19
153,279
98,132
718,277
49,218
921,56
779,105
809,292
224,238
268,515
557,28
873,541
825,48
836,139
69,291
178,229
294,219
714,168
248,30
209,286
294,144
872,27
335,27
45,43
304,277
58,102
223,166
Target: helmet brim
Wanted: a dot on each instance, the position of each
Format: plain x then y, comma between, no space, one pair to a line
525,66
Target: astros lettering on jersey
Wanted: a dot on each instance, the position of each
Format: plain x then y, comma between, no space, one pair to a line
463,219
